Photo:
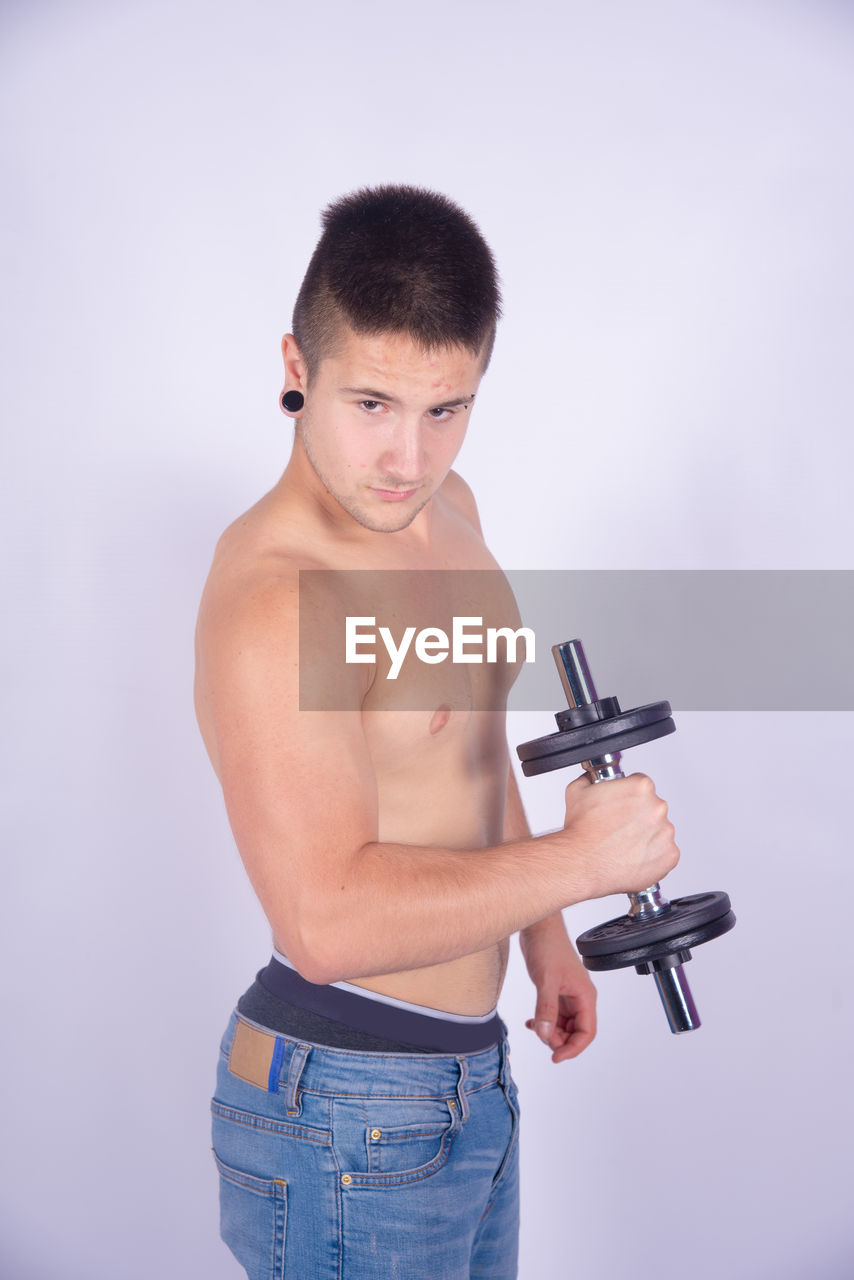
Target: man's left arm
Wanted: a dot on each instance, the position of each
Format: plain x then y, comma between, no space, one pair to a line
565,1016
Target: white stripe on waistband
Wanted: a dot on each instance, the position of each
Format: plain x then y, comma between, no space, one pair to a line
397,1004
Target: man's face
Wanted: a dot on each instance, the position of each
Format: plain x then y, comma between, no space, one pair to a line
383,423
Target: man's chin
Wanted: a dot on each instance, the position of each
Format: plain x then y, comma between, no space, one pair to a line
392,517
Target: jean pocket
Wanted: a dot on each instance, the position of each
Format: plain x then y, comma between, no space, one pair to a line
389,1142
253,1216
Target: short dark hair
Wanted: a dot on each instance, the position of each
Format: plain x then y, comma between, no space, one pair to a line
398,259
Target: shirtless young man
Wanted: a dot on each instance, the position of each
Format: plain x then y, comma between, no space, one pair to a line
365,1119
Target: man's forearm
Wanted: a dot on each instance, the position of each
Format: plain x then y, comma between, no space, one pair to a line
399,907
516,828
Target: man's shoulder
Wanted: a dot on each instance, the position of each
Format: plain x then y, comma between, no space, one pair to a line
253,583
460,498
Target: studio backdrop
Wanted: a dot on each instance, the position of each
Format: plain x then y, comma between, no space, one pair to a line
668,191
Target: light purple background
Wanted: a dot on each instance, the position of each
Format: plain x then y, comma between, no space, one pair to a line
668,189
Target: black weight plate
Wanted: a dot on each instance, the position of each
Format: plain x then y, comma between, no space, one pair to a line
626,933
658,950
599,737
636,718
595,751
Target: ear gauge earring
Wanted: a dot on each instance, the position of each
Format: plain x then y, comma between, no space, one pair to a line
293,401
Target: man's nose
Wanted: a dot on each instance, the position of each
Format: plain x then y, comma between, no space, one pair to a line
404,453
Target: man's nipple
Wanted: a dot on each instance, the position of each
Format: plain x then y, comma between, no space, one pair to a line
440,718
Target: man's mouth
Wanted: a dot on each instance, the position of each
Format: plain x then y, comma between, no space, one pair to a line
395,495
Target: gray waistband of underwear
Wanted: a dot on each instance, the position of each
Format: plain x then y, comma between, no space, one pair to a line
394,1022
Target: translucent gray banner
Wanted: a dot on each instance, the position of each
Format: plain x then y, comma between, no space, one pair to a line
705,640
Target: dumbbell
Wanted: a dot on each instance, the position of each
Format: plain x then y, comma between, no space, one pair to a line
656,936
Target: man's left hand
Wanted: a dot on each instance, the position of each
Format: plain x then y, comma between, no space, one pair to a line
565,1017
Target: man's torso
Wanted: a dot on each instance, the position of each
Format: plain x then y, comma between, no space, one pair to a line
436,733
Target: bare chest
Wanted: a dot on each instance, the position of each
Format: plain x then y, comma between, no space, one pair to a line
443,651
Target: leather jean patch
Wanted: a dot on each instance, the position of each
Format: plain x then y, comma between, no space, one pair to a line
251,1055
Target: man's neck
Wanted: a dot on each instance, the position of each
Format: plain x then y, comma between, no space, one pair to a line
302,487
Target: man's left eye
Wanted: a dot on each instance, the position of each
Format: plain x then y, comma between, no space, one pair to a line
440,415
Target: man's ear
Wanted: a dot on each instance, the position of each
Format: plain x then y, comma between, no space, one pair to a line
296,375
292,397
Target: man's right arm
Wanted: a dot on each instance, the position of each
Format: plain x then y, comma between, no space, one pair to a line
301,797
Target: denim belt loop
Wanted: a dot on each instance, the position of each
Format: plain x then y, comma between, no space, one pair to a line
299,1058
461,1093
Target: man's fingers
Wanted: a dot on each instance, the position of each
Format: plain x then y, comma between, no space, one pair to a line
545,1029
582,1034
545,1019
575,1044
583,780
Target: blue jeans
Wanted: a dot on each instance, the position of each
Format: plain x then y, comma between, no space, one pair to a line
344,1165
